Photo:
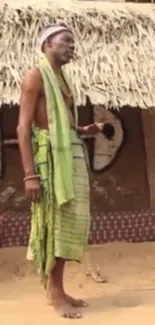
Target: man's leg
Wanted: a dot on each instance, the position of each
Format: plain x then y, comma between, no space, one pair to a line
55,281
56,292
57,295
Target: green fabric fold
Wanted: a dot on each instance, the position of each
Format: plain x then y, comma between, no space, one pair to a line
59,132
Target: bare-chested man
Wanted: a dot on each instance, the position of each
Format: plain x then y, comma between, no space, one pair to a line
59,232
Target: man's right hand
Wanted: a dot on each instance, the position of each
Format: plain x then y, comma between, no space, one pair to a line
33,189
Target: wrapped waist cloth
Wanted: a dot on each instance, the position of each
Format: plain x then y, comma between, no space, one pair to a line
58,231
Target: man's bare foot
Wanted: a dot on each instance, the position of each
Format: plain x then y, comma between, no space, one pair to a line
65,310
79,303
76,302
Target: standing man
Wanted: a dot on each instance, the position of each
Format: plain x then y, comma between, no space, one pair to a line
56,177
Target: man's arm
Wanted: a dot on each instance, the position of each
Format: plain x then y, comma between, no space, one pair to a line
29,96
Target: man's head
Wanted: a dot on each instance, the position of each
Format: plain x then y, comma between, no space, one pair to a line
57,41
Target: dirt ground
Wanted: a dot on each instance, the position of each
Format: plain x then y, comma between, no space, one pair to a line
127,296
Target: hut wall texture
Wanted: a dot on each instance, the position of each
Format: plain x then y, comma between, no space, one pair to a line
148,119
11,187
122,186
119,196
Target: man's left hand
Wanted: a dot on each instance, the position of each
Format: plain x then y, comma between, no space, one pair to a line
93,129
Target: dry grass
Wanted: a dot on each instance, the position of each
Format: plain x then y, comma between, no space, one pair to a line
115,52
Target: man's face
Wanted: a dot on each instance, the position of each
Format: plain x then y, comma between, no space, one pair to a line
62,47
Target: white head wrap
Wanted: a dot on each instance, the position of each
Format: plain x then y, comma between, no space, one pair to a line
51,31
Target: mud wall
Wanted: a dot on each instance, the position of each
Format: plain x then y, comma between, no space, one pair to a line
123,186
148,120
11,186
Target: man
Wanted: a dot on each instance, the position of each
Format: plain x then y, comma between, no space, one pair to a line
56,176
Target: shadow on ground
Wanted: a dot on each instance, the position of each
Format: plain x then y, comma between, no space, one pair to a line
124,299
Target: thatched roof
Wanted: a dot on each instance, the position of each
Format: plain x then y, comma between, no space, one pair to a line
115,62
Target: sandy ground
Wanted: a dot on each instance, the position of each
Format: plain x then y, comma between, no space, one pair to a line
128,296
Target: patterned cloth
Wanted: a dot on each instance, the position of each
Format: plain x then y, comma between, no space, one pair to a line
58,231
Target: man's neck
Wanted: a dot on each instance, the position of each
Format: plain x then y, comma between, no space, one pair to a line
55,66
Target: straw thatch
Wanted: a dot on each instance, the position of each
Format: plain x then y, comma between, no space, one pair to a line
115,57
